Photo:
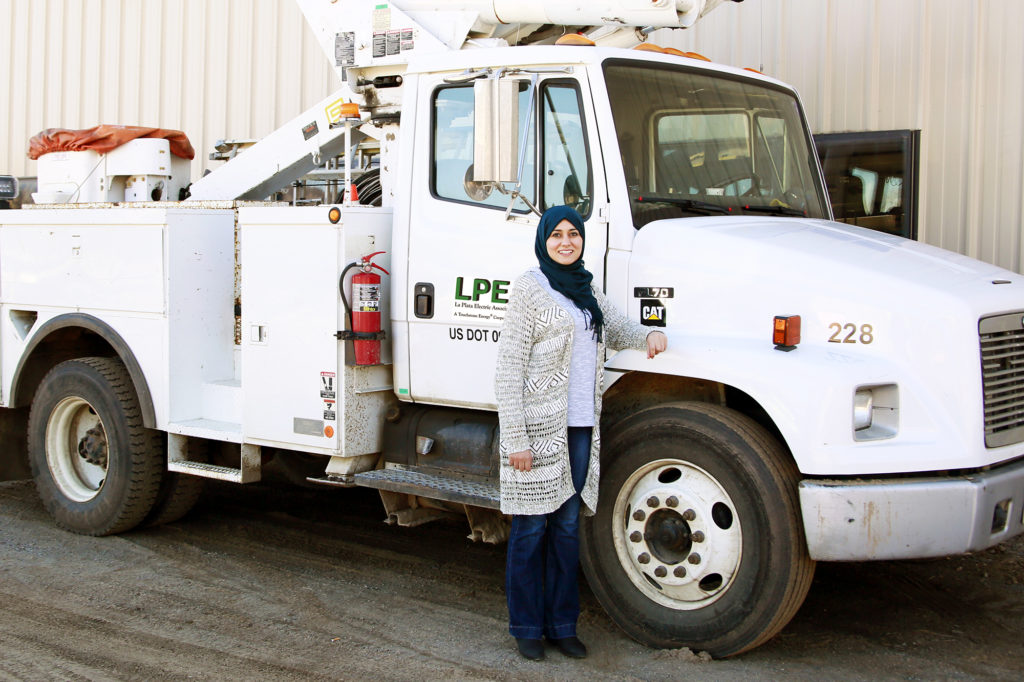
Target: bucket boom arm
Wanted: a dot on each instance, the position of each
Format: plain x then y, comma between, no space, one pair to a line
369,42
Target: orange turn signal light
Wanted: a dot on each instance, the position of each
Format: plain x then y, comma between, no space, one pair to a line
334,215
786,332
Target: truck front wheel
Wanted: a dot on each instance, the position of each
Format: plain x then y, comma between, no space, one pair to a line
96,467
697,540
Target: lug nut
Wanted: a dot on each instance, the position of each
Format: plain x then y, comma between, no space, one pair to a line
639,515
636,536
653,501
697,536
672,501
689,515
694,558
679,572
644,558
660,571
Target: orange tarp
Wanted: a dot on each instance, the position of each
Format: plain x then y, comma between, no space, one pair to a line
103,139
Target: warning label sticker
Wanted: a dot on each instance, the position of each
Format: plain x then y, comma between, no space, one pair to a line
381,17
329,413
327,386
368,296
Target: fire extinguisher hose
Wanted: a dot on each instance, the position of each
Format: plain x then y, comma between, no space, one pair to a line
341,288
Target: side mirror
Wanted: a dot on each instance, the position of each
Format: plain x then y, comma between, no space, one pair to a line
496,131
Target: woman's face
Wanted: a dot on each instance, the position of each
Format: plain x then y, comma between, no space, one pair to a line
565,245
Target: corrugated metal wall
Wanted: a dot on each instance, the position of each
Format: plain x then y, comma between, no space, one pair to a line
240,68
953,69
213,68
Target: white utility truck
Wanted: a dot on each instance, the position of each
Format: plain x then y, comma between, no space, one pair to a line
829,393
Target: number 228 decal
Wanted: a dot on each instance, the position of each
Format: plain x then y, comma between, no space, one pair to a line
851,333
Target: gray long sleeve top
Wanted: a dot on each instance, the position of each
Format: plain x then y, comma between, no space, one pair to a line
532,384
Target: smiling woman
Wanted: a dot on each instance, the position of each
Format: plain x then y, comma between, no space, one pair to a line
554,332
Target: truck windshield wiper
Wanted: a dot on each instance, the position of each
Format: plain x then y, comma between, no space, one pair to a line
776,210
689,204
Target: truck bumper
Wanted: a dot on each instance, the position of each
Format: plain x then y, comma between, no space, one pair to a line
912,518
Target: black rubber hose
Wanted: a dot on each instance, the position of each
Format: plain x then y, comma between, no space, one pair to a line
341,288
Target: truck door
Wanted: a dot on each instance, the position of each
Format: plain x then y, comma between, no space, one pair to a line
463,252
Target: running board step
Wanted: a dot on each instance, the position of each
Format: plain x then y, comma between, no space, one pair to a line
206,471
178,462
432,485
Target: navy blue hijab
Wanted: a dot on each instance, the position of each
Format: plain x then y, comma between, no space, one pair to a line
572,281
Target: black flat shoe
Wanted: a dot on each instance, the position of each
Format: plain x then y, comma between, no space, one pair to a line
532,649
571,647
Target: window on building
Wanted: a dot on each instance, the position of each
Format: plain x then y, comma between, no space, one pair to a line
872,178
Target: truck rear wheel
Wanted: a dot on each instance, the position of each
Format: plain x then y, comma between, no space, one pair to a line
178,492
697,540
96,467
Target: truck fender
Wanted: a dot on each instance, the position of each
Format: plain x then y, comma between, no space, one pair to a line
788,386
100,329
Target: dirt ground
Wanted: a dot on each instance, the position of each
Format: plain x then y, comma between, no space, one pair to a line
285,583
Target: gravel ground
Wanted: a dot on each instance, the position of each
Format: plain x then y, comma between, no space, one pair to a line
279,583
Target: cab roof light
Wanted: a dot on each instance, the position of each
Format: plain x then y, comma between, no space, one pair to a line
575,39
650,47
697,55
786,332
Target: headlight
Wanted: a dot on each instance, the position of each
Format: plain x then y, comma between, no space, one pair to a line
863,404
876,412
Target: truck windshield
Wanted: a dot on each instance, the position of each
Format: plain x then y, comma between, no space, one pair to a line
696,144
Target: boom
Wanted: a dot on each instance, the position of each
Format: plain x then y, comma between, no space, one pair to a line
369,43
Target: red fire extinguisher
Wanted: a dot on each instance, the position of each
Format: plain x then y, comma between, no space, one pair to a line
364,314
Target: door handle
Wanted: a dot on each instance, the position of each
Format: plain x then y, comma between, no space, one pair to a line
424,300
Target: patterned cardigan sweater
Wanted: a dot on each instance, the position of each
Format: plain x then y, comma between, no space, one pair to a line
532,388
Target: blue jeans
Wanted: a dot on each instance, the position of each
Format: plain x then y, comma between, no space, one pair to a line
543,559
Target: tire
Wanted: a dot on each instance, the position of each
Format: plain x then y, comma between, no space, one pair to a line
715,557
178,492
96,467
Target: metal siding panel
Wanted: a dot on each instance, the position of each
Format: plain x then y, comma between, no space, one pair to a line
150,42
945,153
999,138
239,85
90,71
265,77
172,78
7,29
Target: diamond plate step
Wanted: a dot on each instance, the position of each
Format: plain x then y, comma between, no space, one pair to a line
433,485
206,470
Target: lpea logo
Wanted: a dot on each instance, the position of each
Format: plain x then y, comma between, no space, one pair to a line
652,312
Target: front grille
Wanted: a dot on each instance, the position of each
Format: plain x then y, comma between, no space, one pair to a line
1002,377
